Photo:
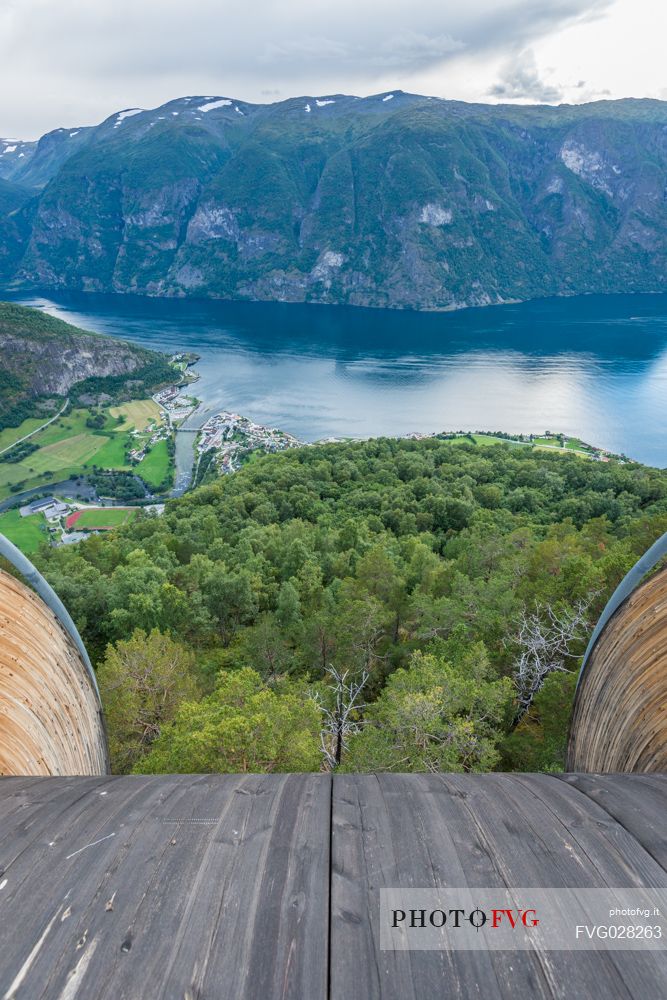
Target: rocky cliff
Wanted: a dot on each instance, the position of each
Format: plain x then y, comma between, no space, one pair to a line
42,357
394,200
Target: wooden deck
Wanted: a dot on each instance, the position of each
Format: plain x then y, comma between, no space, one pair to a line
230,887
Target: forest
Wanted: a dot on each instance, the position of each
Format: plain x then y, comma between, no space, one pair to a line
387,605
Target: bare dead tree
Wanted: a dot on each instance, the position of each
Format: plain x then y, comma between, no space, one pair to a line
340,722
545,638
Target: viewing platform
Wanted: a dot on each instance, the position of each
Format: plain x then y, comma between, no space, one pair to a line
259,887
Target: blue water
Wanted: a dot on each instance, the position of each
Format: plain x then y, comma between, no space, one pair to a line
594,367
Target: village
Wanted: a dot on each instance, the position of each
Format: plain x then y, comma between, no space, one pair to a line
234,437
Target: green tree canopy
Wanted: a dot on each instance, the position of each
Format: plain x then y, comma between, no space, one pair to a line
434,716
242,726
142,681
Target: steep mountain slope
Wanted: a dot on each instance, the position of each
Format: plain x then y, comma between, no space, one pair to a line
42,357
14,157
394,200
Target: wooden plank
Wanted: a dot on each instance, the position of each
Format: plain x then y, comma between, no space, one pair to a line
262,896
129,890
42,807
475,830
408,831
222,886
56,870
637,801
218,887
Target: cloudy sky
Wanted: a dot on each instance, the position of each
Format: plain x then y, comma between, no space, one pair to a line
74,62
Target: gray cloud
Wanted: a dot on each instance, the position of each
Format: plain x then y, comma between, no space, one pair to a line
75,62
520,80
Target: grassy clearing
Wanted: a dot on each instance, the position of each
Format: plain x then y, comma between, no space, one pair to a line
12,434
571,444
70,425
71,452
137,414
27,533
112,454
64,447
68,448
487,439
156,465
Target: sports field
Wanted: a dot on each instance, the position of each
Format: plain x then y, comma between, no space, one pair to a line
99,518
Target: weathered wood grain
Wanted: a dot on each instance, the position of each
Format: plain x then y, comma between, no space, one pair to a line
619,722
153,887
477,830
637,802
50,718
258,887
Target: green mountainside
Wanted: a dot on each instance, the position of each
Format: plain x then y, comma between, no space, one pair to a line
394,200
218,628
43,360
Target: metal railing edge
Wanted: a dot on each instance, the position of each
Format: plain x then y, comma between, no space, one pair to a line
33,577
628,584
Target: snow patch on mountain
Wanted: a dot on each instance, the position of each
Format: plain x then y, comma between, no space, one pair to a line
122,115
212,105
322,104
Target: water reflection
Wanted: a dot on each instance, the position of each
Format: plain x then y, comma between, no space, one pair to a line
595,367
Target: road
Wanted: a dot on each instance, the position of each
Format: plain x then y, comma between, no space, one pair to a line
37,429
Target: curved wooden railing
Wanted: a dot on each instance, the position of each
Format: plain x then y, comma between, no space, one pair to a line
50,713
619,720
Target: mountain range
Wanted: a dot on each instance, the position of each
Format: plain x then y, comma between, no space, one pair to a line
395,200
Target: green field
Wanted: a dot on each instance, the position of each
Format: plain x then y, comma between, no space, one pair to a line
112,453
137,414
58,458
67,447
488,439
155,466
571,444
71,452
71,424
27,533
12,434
103,517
